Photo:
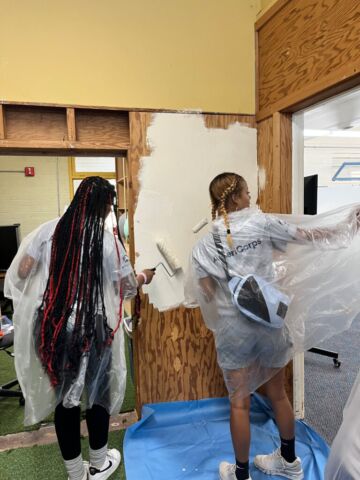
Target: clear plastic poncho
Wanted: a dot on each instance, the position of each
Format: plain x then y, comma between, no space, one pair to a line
344,459
306,270
101,375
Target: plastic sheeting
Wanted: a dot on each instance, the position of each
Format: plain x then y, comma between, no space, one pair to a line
344,460
101,375
188,440
301,275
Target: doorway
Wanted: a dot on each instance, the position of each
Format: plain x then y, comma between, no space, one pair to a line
326,175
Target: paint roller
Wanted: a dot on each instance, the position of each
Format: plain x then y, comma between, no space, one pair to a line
196,228
173,263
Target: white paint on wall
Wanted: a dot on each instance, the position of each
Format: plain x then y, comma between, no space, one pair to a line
174,196
262,179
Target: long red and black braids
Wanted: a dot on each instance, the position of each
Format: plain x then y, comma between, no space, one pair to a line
75,284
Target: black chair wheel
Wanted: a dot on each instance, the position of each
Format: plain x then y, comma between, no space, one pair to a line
21,401
337,363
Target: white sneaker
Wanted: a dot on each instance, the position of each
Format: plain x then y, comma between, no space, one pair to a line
112,461
86,467
275,464
227,471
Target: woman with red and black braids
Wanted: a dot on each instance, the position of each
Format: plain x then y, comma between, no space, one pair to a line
68,282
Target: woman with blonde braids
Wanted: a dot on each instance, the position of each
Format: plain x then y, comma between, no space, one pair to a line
250,243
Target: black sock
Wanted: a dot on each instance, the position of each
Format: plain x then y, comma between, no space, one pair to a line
288,449
242,470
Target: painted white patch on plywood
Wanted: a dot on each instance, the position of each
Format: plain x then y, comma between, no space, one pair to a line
173,197
262,179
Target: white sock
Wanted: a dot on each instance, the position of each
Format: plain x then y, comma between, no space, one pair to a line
97,457
75,468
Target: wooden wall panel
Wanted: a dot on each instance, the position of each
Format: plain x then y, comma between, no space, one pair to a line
35,124
101,126
224,121
175,356
268,197
2,123
178,362
138,123
274,160
48,130
285,158
306,49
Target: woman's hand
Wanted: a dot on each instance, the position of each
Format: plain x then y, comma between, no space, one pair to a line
357,213
149,275
145,277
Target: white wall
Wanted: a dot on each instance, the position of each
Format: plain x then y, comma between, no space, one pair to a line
324,156
174,196
31,201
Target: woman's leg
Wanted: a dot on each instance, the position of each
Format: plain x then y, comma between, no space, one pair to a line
236,381
103,462
284,414
240,427
67,427
283,462
97,420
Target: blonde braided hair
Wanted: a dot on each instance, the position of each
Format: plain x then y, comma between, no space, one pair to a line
214,209
220,189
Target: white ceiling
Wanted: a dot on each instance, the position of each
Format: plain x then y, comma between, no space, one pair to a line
324,155
340,112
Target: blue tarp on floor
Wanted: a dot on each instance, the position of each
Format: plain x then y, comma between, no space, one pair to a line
188,440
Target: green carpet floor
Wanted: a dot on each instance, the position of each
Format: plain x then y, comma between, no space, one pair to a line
45,462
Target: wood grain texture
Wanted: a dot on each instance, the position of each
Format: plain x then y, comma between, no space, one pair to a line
178,362
306,48
31,124
54,130
285,121
70,122
2,122
267,195
224,121
275,159
64,148
273,10
138,124
102,126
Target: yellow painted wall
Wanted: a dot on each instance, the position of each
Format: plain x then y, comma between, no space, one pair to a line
31,201
265,4
176,54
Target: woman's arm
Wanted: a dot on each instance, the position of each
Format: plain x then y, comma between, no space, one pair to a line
25,266
207,287
344,231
